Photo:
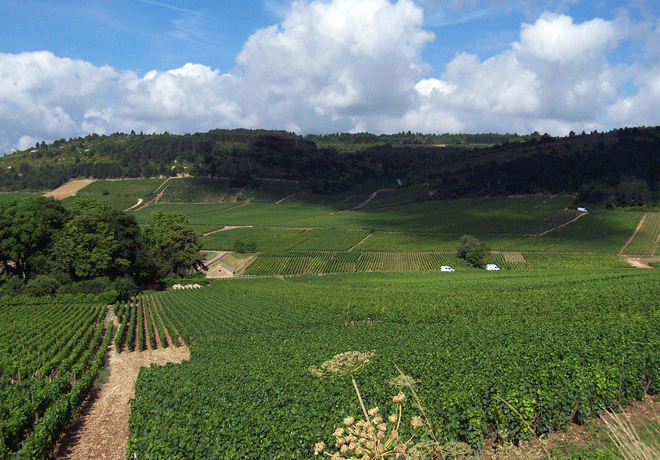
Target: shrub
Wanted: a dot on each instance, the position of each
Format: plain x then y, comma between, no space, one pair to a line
42,285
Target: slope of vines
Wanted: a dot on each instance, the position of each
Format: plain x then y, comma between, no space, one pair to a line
557,346
49,358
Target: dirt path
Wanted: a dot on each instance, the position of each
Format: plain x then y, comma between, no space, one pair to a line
139,202
69,189
562,225
372,196
101,431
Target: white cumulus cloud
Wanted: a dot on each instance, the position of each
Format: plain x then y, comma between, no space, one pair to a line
349,65
555,78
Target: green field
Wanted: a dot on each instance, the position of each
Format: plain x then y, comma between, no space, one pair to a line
536,339
121,194
561,331
541,226
8,196
645,241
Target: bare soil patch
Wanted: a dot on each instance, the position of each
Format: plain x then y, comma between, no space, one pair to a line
69,189
101,429
514,257
639,262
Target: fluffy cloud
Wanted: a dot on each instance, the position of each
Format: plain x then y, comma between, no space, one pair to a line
342,59
43,96
554,79
346,65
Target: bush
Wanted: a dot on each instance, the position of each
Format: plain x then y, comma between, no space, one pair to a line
477,257
108,297
42,285
12,286
95,286
125,287
473,251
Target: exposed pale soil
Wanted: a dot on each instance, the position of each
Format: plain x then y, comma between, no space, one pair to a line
69,189
101,429
514,257
639,262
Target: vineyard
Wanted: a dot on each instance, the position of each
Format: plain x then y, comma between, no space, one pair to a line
144,324
645,241
535,339
324,262
50,356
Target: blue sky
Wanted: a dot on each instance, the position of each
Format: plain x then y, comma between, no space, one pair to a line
70,68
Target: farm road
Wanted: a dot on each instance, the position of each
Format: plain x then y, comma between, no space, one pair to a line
101,430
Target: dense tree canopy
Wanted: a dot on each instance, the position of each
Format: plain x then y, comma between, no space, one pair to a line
173,245
621,167
27,228
44,248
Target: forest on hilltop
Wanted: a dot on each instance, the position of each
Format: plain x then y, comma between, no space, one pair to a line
617,168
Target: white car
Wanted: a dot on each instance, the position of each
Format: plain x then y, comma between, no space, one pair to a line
446,268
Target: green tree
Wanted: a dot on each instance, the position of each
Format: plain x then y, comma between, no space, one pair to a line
473,251
100,241
27,228
173,244
466,244
87,245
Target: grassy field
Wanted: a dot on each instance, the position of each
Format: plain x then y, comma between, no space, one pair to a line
121,194
8,196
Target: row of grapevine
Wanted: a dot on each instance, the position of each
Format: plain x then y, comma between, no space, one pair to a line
541,260
140,326
556,348
64,356
57,417
142,322
323,262
645,241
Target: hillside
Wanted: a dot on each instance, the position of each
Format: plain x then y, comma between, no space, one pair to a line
618,168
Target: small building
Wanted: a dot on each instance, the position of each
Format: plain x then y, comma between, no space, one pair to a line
446,268
582,209
492,267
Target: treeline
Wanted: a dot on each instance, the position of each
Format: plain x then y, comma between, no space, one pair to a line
47,249
617,168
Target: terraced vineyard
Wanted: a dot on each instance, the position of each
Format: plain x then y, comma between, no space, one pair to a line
645,241
536,339
49,358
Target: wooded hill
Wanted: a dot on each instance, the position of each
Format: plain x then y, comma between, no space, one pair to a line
617,168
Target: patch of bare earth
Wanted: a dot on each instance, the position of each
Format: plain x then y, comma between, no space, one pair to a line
101,429
639,262
69,189
514,257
